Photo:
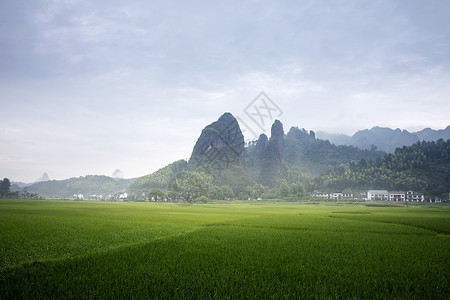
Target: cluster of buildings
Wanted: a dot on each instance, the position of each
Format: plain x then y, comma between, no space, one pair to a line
110,197
334,195
376,195
383,195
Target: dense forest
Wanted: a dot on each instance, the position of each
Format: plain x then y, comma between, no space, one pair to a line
424,167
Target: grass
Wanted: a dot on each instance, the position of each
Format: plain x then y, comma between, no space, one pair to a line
57,249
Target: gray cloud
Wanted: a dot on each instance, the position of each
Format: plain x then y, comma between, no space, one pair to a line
88,87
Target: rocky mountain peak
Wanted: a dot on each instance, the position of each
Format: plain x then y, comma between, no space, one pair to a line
118,174
276,141
261,146
220,145
44,177
274,155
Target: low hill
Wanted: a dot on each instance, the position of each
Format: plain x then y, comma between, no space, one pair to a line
87,185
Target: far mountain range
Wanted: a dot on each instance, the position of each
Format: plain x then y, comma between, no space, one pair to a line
385,139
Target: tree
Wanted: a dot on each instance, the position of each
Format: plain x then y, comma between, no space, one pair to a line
257,191
191,185
202,199
284,189
227,192
5,186
214,192
297,189
156,195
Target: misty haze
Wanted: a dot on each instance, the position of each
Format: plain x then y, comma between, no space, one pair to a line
243,149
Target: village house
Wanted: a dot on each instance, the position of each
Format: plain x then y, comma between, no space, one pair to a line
332,195
374,195
397,196
78,196
414,196
337,195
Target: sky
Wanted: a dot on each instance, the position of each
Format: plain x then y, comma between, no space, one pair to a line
87,87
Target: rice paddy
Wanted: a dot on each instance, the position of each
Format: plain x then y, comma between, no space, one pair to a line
62,249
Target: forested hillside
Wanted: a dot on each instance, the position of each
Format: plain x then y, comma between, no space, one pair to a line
424,167
159,179
304,157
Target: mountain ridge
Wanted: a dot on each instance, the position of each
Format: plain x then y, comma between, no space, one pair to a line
222,160
385,138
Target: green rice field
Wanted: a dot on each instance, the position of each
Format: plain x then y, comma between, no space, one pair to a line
64,249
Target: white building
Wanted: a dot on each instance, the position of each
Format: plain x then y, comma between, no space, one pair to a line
377,195
414,196
397,196
337,195
347,195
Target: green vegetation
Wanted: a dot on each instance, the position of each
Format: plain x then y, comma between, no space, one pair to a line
159,179
5,186
424,166
299,158
51,249
316,156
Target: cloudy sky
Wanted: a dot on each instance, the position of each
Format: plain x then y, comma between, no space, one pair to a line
87,87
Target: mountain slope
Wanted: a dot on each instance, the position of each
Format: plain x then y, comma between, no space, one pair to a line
429,134
159,179
220,143
384,139
317,156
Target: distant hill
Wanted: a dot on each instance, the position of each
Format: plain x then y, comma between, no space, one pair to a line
429,134
87,185
18,186
335,138
117,174
44,177
385,139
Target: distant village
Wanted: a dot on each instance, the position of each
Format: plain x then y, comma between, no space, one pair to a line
370,195
110,197
377,195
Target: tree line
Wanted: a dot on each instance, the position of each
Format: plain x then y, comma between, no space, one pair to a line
5,187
